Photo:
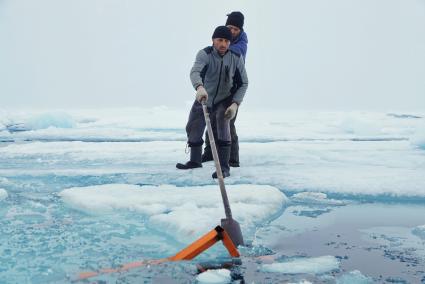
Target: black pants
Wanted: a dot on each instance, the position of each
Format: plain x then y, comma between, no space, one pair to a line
234,152
196,124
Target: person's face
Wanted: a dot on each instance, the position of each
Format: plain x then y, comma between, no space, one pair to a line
221,44
234,30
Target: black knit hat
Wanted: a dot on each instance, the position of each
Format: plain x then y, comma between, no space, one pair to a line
222,32
235,19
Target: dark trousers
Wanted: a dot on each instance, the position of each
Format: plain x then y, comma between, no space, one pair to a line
234,149
196,125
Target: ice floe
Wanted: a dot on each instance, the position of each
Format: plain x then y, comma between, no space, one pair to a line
348,168
315,157
42,121
294,151
183,212
214,276
313,265
315,198
135,123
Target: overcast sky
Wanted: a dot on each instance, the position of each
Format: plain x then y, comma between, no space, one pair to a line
302,54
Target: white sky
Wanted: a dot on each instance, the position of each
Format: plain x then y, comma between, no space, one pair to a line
302,54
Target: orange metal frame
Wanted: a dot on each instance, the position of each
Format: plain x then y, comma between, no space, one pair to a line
204,243
188,253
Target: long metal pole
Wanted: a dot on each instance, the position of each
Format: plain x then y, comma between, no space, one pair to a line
226,203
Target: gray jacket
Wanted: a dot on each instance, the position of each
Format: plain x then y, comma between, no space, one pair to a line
221,76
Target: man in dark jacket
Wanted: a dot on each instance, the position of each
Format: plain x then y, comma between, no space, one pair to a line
213,75
239,44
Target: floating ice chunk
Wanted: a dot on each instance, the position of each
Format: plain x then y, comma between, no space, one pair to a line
183,212
214,276
3,194
314,265
419,231
354,277
43,121
51,119
312,213
315,198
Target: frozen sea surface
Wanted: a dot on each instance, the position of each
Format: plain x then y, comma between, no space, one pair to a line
322,197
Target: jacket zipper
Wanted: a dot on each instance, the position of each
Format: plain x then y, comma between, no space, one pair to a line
218,85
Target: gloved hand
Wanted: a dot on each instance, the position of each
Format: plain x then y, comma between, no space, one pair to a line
231,111
201,94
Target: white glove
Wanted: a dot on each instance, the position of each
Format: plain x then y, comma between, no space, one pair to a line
201,94
231,111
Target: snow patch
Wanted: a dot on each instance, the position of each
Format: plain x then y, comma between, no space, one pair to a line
3,194
183,212
314,265
315,198
214,276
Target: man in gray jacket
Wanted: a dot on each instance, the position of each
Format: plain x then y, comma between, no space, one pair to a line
216,74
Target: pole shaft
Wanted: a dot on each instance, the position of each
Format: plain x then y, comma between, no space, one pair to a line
217,163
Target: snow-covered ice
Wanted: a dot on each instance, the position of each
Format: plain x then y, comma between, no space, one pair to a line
136,124
214,276
186,213
89,189
315,198
303,151
313,265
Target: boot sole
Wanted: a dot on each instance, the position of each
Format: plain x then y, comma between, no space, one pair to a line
184,167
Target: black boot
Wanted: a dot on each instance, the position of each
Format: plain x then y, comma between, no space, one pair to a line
195,159
234,150
234,154
207,155
224,156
